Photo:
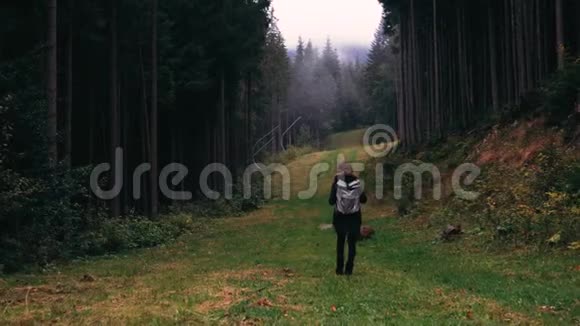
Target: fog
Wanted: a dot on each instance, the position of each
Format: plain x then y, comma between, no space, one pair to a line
346,22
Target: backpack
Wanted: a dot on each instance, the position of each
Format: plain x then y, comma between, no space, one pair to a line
348,196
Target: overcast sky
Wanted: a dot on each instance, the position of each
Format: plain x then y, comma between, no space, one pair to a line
345,21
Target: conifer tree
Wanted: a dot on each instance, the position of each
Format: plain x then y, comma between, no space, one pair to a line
299,59
330,60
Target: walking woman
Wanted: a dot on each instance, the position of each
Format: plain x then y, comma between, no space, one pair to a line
346,197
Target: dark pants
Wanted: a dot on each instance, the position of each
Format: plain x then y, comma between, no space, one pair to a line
351,238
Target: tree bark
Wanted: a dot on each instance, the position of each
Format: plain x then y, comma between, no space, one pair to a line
222,118
560,34
145,134
493,60
437,102
114,103
153,119
69,87
52,84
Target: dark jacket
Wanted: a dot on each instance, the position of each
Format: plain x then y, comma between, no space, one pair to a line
345,223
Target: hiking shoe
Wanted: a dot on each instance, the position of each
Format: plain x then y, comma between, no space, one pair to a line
349,268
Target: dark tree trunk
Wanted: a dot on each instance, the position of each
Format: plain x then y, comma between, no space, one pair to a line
52,84
154,131
560,34
222,119
493,60
69,87
437,102
114,103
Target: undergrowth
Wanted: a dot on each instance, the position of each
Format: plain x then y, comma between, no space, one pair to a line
529,188
537,204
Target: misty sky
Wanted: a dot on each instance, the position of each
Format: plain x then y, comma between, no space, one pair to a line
345,21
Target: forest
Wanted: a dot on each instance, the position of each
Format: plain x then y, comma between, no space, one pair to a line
164,81
192,82
480,58
195,83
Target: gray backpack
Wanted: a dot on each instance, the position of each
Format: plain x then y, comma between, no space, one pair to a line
348,196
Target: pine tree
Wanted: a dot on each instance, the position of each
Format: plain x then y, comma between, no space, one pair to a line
310,54
299,59
275,68
330,60
379,80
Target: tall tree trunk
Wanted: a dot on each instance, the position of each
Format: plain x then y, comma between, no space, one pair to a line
280,140
461,68
273,109
222,118
93,121
249,119
493,60
520,45
91,136
560,34
69,87
417,100
153,119
539,41
508,76
514,46
52,84
114,103
437,102
125,117
145,134
529,46
399,92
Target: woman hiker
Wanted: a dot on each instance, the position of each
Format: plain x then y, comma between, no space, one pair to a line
346,197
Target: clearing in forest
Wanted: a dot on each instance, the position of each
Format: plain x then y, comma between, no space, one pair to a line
275,266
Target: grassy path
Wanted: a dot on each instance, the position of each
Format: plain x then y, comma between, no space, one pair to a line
276,267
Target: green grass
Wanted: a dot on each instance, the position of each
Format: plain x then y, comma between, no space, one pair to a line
353,138
276,267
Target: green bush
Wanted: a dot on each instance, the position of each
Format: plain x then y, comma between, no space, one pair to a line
185,223
137,233
114,235
40,216
46,219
